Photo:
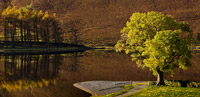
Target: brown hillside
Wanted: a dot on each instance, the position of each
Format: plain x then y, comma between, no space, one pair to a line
100,21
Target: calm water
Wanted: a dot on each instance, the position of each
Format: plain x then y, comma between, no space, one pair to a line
54,75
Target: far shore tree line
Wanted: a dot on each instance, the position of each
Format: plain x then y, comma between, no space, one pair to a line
25,27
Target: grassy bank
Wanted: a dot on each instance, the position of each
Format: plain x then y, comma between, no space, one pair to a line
167,91
126,89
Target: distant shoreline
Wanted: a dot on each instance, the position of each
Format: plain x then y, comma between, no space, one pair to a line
52,50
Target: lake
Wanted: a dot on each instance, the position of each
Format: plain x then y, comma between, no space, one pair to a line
53,75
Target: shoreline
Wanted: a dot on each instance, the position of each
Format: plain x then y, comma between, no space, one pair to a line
100,88
52,50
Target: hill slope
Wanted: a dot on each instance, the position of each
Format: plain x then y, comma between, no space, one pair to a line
100,21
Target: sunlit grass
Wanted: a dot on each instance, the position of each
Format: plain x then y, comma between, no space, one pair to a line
166,91
126,89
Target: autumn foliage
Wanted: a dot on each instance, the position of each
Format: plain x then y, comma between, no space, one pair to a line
26,27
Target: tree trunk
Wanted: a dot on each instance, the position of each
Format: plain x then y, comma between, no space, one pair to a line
76,36
36,29
47,35
13,34
160,78
55,32
29,35
5,32
21,31
25,35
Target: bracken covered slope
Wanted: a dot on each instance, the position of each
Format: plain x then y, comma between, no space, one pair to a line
100,21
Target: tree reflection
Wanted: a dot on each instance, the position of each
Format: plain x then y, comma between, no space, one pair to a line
57,60
73,66
29,71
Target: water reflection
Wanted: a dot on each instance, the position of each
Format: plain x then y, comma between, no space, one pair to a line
73,67
54,75
33,67
29,71
22,73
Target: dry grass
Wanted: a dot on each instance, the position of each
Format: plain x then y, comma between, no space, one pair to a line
100,21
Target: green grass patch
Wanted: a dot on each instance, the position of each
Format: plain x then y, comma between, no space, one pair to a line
126,89
167,91
191,84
